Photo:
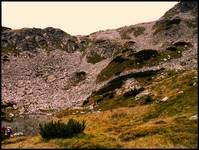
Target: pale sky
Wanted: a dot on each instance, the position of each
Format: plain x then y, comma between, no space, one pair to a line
81,18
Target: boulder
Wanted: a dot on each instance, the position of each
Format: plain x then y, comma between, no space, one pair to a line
164,99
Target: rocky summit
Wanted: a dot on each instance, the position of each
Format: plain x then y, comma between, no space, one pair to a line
50,72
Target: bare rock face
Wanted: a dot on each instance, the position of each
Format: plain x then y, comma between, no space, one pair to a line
28,39
48,69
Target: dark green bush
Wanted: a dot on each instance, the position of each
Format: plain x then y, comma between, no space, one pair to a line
61,130
110,86
108,95
85,102
181,43
118,59
146,100
146,54
171,48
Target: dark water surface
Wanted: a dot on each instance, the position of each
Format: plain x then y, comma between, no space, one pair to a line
28,124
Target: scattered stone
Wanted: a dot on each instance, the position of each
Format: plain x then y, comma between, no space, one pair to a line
81,112
51,78
194,117
164,99
11,114
129,85
17,134
180,92
15,107
91,107
165,59
142,94
21,111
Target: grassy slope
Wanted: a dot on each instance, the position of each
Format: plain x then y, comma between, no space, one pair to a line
132,62
156,125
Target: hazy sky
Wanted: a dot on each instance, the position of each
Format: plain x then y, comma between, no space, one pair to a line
81,18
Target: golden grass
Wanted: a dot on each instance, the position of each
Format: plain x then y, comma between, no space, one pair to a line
96,126
103,131
27,142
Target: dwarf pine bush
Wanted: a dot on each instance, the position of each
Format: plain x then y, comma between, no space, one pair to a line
61,130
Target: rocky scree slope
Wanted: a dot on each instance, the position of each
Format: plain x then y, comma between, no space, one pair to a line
47,69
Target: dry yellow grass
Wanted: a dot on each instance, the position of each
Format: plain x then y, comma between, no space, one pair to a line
96,126
102,130
27,142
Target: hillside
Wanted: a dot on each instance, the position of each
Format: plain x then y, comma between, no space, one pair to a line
136,86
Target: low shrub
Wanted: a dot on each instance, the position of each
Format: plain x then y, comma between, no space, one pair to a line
61,130
147,100
85,102
146,54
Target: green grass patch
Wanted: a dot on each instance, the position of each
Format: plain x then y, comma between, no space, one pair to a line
117,65
137,60
184,103
94,58
105,96
165,25
10,49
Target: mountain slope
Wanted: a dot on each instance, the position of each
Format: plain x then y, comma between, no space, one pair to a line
150,68
47,58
